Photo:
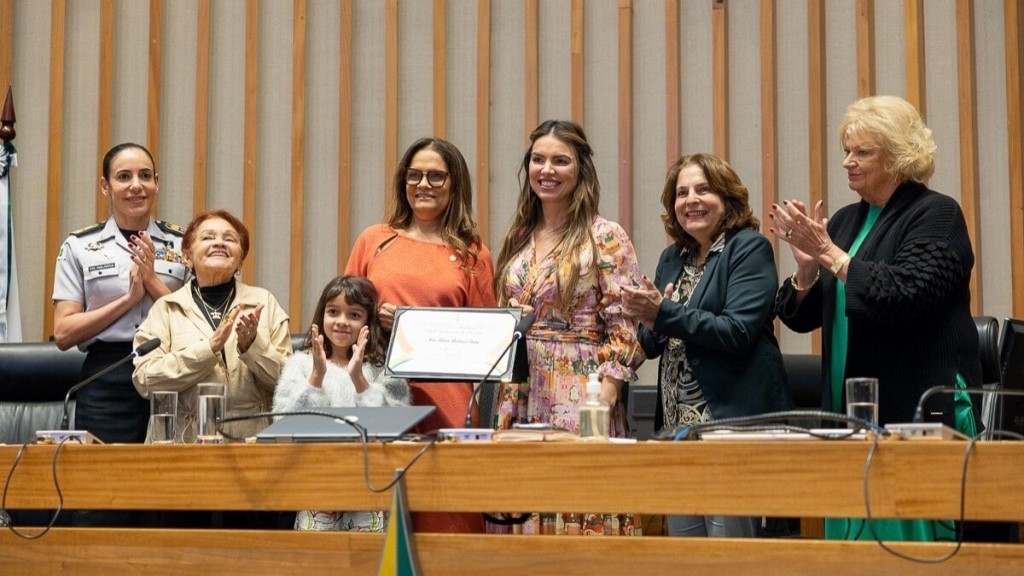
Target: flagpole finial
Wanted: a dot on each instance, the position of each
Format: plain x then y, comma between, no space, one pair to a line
7,131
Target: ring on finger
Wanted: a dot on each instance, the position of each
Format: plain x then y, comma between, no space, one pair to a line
789,233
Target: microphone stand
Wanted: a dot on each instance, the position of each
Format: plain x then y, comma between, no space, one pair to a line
476,391
67,398
144,348
518,334
919,411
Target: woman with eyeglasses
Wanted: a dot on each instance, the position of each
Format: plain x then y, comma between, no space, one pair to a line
429,253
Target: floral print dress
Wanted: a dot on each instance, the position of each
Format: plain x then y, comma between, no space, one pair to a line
564,346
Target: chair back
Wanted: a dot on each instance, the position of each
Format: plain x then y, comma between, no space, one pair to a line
988,349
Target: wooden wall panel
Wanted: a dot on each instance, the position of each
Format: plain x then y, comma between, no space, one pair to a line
250,133
576,56
6,31
720,77
913,42
298,164
1013,16
865,48
344,136
483,117
694,55
155,75
673,94
202,112
625,171
969,189
106,93
55,155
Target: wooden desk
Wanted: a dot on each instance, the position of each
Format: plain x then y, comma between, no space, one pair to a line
815,479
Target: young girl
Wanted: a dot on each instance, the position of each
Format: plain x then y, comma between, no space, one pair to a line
345,368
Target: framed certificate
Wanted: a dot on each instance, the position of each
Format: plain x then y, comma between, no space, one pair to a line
452,343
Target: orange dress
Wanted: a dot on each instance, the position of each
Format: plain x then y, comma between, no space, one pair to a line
410,272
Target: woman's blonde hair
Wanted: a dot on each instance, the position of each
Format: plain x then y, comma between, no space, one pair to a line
901,133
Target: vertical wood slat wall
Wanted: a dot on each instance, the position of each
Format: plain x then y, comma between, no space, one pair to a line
106,89
55,153
249,136
970,199
1013,16
820,140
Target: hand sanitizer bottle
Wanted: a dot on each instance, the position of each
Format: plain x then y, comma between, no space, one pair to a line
595,413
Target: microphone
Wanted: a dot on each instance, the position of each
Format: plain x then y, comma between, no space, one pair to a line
517,334
919,411
143,349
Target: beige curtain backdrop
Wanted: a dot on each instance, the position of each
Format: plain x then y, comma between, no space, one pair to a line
293,113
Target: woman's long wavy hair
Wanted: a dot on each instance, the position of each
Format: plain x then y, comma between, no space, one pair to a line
582,210
358,291
459,228
724,183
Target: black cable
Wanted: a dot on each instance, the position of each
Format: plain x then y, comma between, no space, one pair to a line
56,485
963,493
681,432
363,440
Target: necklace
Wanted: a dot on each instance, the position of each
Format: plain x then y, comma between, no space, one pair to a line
214,314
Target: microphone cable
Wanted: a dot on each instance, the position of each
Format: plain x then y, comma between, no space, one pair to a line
56,486
363,441
869,520
682,432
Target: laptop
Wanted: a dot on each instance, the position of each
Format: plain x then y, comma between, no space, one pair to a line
381,423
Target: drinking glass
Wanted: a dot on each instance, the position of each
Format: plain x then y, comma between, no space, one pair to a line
862,399
163,408
211,410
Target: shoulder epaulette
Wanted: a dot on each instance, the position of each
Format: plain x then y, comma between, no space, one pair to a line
89,229
172,228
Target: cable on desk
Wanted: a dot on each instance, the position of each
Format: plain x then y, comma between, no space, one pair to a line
56,485
363,441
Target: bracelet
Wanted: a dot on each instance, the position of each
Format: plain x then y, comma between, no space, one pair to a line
792,279
839,263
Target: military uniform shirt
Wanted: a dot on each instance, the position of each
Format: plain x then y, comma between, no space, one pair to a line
93,268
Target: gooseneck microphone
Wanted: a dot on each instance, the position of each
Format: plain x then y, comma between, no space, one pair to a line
919,411
518,334
143,349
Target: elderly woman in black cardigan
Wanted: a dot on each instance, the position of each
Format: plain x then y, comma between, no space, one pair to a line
887,279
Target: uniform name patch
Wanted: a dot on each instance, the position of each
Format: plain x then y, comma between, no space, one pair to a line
103,266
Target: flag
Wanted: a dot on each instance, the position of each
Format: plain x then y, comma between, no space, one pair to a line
399,555
10,311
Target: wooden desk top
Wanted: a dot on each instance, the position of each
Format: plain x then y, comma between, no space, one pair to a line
783,478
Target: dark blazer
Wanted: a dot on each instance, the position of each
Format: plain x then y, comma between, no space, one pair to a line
908,302
728,327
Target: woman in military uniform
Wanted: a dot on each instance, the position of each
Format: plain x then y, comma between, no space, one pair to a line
108,275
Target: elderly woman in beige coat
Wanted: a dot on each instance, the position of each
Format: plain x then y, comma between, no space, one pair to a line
215,329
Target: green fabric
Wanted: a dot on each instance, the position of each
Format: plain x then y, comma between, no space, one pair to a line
839,325
963,409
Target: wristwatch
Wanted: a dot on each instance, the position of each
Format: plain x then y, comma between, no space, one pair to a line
838,264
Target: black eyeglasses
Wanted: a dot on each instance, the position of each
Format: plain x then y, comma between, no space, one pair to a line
435,178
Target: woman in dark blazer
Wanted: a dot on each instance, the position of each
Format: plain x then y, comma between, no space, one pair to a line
709,314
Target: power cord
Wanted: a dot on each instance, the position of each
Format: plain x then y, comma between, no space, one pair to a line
363,441
855,424
56,485
959,528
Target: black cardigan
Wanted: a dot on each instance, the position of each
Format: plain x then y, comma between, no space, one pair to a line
908,302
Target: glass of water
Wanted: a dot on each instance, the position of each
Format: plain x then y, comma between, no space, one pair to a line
163,409
211,410
862,399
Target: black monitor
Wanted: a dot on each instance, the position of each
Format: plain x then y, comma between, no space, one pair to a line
1011,364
